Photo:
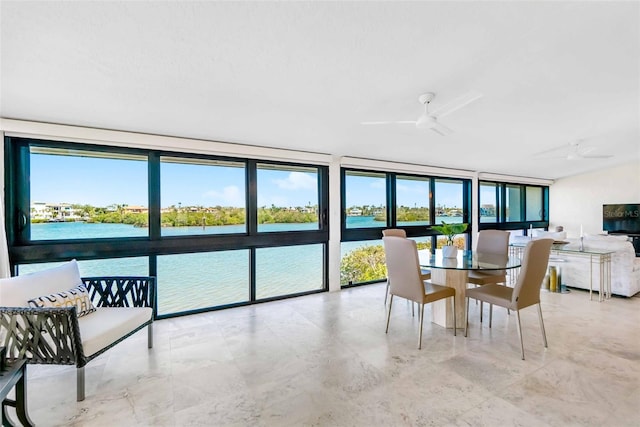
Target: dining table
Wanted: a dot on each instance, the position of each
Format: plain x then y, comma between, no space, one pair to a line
454,272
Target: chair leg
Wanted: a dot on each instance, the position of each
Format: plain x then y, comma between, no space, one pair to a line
413,309
544,335
150,335
80,384
508,311
490,314
466,316
520,334
421,313
453,299
386,293
389,314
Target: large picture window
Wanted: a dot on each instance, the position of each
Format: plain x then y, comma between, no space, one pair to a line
412,201
288,270
373,201
365,199
362,262
78,194
449,201
189,282
214,231
201,196
488,202
515,207
534,203
287,198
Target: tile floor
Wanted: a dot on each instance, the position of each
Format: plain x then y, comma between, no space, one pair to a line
324,360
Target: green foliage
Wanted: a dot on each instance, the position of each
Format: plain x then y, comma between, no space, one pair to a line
405,213
423,245
450,230
202,217
199,216
275,215
458,242
363,265
381,217
366,263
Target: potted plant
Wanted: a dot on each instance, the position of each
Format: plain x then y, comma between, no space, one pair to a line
450,231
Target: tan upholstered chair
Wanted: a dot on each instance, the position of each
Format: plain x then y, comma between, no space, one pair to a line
495,242
526,291
403,269
399,232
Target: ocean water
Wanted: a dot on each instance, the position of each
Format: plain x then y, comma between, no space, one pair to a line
209,279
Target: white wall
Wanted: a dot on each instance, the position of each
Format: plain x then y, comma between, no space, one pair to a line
578,200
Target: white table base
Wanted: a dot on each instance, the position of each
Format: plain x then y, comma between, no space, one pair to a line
441,311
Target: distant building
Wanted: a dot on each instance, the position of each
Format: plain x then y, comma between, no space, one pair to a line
53,212
40,211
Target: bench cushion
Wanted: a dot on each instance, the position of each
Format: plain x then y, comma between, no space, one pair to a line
16,291
107,325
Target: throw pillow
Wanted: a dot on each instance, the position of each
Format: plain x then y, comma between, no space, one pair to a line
78,297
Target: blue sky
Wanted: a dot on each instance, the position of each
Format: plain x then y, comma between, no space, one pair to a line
487,195
368,190
102,182
86,180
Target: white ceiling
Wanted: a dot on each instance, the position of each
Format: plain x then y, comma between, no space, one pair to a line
304,75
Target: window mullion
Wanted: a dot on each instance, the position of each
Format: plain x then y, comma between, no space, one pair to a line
252,197
154,195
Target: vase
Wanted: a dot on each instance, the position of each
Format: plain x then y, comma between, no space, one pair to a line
553,279
449,251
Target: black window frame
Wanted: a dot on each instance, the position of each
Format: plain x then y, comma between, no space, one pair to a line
413,231
523,224
23,250
374,233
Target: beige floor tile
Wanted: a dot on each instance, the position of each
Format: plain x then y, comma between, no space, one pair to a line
325,360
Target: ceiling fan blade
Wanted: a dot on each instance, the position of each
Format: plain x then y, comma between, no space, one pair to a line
456,104
603,156
388,122
441,129
553,150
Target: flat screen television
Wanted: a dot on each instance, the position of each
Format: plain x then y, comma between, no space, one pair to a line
621,218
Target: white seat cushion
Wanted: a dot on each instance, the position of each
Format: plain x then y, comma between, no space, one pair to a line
108,324
16,291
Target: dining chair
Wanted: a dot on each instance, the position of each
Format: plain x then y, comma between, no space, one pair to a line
526,291
403,269
495,242
399,232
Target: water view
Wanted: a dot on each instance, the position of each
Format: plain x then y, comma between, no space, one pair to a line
204,196
199,280
208,279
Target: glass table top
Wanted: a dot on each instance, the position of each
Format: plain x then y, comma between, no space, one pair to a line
467,260
570,247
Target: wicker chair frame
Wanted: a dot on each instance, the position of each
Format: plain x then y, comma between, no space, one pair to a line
52,335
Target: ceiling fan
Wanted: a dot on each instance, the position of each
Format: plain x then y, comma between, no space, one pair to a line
574,150
429,120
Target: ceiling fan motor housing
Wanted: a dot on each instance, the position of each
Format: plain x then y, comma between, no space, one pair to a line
426,98
426,121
